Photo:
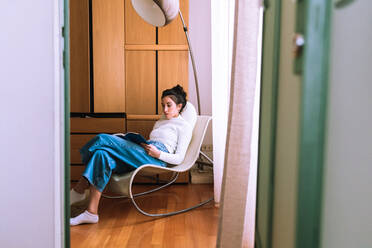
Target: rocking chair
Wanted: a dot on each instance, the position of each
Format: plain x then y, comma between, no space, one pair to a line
122,184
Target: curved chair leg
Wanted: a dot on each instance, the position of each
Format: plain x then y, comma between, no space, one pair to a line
164,214
175,176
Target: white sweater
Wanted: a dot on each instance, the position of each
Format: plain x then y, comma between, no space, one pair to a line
176,135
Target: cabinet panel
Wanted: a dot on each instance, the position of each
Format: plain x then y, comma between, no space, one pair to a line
79,56
182,177
76,171
173,70
97,125
173,33
161,178
77,141
143,127
137,31
140,82
108,55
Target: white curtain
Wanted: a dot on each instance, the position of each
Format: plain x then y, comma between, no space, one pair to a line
222,15
236,225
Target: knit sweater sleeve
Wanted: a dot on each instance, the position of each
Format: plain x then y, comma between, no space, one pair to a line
184,138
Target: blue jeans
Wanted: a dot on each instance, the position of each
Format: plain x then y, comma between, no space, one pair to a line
107,153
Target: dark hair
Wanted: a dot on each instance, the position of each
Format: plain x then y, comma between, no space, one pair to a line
177,94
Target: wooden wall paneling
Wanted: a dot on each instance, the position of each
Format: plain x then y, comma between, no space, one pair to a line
108,55
173,33
137,31
97,125
143,127
140,77
79,56
172,70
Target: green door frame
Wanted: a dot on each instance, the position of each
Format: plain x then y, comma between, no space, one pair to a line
267,130
66,63
314,20
313,120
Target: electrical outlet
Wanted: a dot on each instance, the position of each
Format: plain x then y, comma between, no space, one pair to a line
207,148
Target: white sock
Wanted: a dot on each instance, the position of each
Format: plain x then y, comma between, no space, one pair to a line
76,197
85,217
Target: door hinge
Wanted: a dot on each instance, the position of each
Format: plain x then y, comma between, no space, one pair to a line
342,3
64,58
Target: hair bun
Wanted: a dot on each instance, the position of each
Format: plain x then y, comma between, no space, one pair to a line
179,90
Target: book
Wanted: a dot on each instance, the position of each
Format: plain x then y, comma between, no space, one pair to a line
135,138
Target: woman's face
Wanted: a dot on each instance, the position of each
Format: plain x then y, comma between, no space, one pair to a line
170,108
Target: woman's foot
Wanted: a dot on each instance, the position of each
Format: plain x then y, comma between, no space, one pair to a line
84,217
76,197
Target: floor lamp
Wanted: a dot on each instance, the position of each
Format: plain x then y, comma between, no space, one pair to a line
160,13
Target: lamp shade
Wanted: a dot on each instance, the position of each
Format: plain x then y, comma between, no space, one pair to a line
157,12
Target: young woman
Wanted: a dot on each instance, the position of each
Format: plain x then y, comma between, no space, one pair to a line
106,153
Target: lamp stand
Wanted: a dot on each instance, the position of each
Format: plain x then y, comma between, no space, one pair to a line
192,61
197,89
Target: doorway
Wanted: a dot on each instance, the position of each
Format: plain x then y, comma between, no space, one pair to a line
155,60
294,86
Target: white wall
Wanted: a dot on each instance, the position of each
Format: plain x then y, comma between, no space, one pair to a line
347,199
29,124
200,37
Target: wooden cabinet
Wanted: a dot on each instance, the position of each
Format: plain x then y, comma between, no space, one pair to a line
84,129
120,65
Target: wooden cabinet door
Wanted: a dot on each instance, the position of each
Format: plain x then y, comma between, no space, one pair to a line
108,55
79,56
75,172
173,70
140,82
137,31
173,33
77,141
143,127
97,125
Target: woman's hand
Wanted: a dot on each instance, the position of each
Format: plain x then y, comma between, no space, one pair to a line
151,150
